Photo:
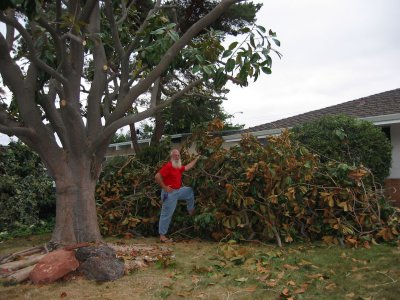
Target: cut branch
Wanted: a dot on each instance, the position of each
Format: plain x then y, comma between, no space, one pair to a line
20,275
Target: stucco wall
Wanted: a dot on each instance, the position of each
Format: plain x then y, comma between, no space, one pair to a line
395,138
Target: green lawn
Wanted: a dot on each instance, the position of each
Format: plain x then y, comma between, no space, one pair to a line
207,270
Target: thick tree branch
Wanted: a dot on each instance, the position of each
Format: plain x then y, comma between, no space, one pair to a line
17,131
10,30
124,11
87,10
125,70
33,54
155,91
48,104
60,48
99,83
114,30
10,127
5,57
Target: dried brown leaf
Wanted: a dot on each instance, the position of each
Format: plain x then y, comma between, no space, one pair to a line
290,267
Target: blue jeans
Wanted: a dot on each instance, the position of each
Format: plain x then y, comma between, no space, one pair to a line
169,201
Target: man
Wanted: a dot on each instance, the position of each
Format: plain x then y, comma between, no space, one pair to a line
169,178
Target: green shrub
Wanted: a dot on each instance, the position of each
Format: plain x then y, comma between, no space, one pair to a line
155,154
26,191
348,140
21,230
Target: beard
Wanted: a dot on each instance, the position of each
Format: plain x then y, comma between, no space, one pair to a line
176,163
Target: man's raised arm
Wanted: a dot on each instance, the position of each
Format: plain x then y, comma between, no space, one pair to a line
192,163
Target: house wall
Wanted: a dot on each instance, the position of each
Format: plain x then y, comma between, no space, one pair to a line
395,138
392,183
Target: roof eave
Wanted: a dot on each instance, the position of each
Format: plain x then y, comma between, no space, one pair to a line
384,119
376,120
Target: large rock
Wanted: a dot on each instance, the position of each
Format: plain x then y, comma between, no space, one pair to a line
102,268
53,266
100,263
82,254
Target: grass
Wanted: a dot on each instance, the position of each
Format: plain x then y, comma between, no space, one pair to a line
207,270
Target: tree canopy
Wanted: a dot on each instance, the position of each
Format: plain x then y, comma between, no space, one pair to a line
77,71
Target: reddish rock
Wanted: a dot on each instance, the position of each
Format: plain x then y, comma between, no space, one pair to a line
53,266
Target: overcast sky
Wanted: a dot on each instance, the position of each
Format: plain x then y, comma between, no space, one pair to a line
333,51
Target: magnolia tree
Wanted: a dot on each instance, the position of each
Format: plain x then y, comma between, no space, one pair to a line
75,72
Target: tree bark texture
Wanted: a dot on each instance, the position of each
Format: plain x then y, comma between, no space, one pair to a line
76,217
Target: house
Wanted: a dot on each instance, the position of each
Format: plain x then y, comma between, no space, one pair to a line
382,109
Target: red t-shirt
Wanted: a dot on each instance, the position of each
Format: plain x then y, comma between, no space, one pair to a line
172,177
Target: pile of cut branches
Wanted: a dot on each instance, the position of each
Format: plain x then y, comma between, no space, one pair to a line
280,191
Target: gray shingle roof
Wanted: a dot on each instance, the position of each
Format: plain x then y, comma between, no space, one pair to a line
385,103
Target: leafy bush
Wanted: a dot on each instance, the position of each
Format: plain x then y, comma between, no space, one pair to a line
154,154
21,230
348,140
26,191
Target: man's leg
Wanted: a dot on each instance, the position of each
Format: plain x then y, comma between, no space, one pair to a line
169,201
186,193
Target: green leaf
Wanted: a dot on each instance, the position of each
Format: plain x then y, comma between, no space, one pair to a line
196,69
199,58
266,70
254,58
277,42
174,35
230,65
207,70
252,41
261,28
158,31
239,60
233,45
226,53
265,52
170,26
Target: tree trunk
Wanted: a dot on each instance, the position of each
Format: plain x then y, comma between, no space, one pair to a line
159,126
134,138
159,123
76,215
